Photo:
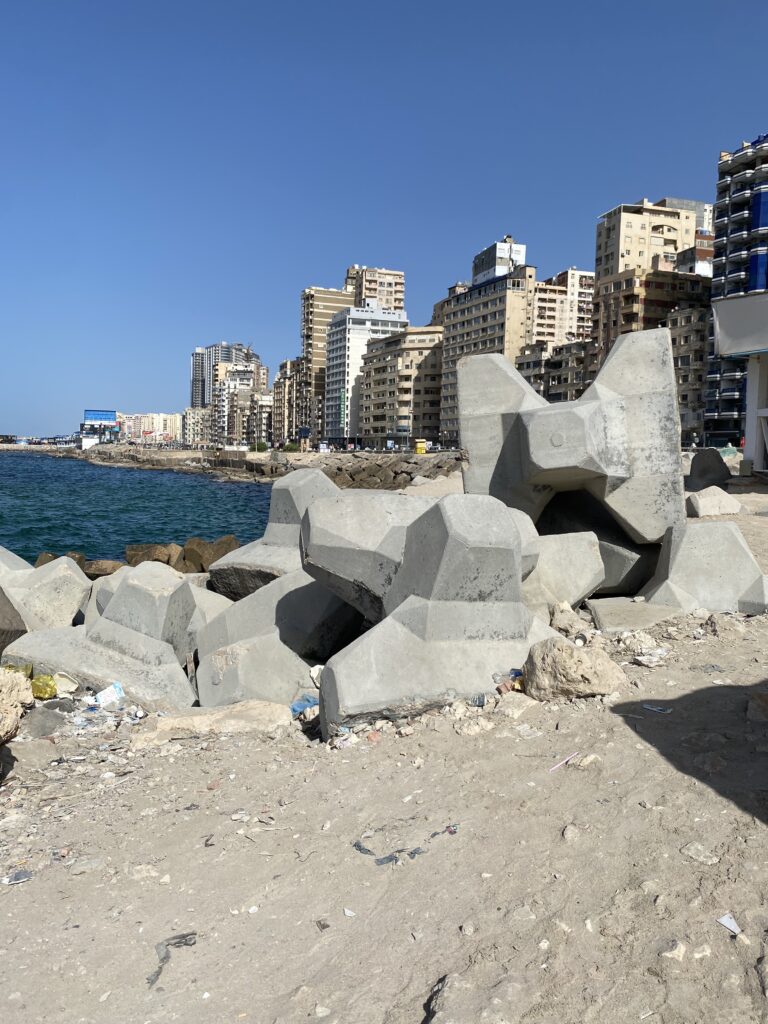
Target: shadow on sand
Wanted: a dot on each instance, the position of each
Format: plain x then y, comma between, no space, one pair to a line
718,735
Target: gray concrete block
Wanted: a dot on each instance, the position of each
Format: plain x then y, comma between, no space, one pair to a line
425,654
354,543
102,591
570,568
311,620
10,562
262,668
707,565
153,600
55,594
620,441
712,501
207,606
623,615
114,637
92,665
708,469
244,570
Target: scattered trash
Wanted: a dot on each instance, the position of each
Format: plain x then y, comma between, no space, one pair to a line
208,840
163,950
564,761
651,659
411,853
306,700
43,687
658,709
479,701
729,921
65,684
16,877
349,913
322,925
111,696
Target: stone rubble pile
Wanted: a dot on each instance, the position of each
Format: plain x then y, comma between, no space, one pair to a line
394,604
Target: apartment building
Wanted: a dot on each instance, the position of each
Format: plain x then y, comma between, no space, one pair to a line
284,402
151,427
646,236
688,325
196,426
376,284
349,333
400,387
740,290
233,385
259,423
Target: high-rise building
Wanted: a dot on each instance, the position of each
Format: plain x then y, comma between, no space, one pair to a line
196,426
318,306
205,359
740,291
645,235
349,333
259,423
232,388
197,379
376,284
284,402
400,387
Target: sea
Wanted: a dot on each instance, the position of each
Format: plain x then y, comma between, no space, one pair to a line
57,504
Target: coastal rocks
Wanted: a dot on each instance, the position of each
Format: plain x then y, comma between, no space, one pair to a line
93,666
200,554
244,570
556,668
195,555
98,568
52,595
15,696
261,668
151,600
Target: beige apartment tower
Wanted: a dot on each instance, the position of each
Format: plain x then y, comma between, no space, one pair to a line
400,387
382,286
648,236
318,307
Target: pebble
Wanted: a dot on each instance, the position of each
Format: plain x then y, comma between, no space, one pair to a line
699,853
675,952
570,833
468,928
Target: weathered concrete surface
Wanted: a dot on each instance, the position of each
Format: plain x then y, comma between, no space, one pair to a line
623,615
556,668
620,441
122,640
711,501
94,666
569,568
354,543
102,592
244,570
55,594
425,654
708,565
256,717
309,619
152,600
207,606
261,668
10,562
708,469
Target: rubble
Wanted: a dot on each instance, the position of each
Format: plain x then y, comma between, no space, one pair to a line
557,668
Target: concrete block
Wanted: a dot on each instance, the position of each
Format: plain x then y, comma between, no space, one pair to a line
262,668
708,565
708,469
353,543
244,570
114,637
55,594
101,594
311,620
620,441
423,655
9,562
152,600
570,568
208,606
95,666
623,615
712,501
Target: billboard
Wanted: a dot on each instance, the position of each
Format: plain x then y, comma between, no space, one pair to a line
100,417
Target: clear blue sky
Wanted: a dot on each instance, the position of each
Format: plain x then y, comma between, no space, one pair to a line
174,172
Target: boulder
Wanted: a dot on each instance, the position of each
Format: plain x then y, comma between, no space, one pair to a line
94,666
44,558
712,501
708,565
10,719
569,568
309,619
247,568
77,557
52,595
98,568
135,554
198,553
708,469
353,543
620,441
556,668
207,607
122,640
262,668
565,620
151,600
15,688
254,717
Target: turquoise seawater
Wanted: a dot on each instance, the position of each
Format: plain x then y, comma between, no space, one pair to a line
53,504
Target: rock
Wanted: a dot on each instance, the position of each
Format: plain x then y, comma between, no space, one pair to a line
15,688
697,852
152,600
707,469
198,553
262,668
77,557
712,501
513,704
52,595
569,568
98,568
93,666
247,568
249,716
556,668
10,719
708,565
620,441
135,554
565,620
41,722
312,621
44,558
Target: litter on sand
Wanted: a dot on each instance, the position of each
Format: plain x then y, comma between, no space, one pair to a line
16,877
658,709
163,950
729,921
411,853
306,700
564,761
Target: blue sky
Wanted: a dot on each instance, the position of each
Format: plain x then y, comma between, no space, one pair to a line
174,172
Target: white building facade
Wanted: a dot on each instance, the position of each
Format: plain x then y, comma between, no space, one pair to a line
349,333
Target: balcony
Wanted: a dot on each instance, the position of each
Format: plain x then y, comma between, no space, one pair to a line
731,393
740,215
713,376
743,193
733,374
737,254
721,238
739,235
737,275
